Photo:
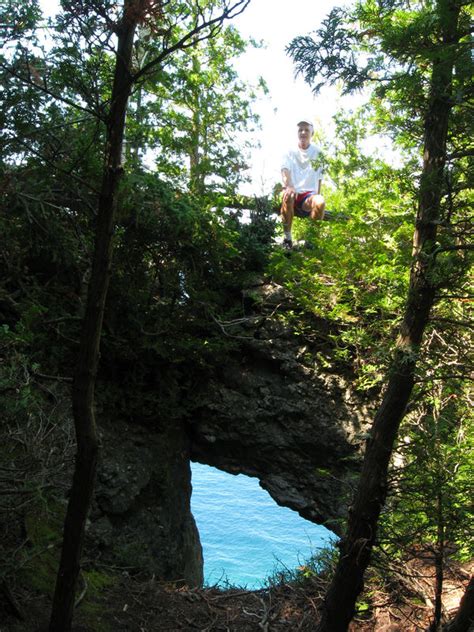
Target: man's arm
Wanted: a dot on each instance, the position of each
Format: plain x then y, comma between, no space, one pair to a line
288,187
286,178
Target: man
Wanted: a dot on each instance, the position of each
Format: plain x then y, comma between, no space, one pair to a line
301,182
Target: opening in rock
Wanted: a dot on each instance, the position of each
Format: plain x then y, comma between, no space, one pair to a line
246,537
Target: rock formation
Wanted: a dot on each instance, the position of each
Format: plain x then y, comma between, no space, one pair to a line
278,410
141,517
273,412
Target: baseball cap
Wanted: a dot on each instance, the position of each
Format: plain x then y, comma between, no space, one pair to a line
306,120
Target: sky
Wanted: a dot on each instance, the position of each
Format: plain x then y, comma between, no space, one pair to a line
277,22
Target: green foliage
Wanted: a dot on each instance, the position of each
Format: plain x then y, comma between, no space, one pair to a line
255,237
178,269
191,117
39,561
35,457
393,48
432,481
388,47
200,116
179,266
43,525
319,567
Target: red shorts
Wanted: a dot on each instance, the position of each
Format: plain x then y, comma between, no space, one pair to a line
300,198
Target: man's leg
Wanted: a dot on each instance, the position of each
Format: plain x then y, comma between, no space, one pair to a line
287,213
314,205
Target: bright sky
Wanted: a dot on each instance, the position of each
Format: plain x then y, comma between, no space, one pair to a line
277,22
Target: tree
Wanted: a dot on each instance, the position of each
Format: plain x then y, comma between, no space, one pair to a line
179,25
210,107
192,114
134,12
391,55
429,513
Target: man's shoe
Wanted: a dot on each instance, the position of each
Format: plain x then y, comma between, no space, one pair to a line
287,244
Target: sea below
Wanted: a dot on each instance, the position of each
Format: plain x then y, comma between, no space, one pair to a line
246,537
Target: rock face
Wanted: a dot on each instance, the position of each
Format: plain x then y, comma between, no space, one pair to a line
278,410
274,413
141,517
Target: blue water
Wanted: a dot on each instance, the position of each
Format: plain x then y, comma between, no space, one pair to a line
245,535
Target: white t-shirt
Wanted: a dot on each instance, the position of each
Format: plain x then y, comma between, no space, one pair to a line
301,165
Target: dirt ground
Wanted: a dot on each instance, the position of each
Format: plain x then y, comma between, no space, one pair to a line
135,605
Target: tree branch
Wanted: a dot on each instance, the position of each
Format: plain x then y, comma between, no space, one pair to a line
190,38
450,321
460,154
52,164
29,82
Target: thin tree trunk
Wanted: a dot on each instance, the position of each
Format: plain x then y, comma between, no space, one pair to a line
196,180
356,546
439,567
464,619
85,376
440,535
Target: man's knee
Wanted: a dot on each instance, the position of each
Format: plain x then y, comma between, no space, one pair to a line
288,206
318,204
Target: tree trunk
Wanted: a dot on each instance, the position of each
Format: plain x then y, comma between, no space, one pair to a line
439,570
196,180
464,619
85,375
440,535
356,546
